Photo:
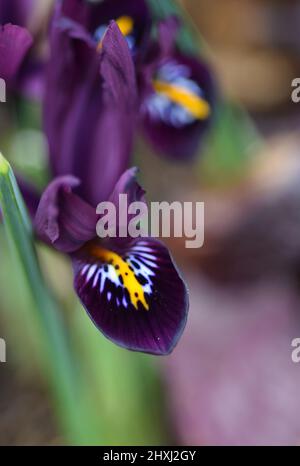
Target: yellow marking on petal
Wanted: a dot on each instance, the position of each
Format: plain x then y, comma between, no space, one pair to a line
123,269
99,45
198,107
126,25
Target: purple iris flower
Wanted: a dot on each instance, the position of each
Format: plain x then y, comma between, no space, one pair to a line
177,96
176,91
28,78
131,289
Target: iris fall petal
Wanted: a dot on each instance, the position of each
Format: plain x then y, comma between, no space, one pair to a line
137,299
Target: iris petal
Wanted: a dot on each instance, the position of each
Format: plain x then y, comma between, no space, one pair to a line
178,110
133,17
146,309
15,43
63,219
15,11
127,184
89,120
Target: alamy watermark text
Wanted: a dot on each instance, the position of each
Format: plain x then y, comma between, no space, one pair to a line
2,350
296,90
161,220
2,90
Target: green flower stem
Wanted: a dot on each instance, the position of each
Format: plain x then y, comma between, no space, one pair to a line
60,366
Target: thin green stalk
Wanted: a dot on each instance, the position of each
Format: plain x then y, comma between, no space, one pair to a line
61,368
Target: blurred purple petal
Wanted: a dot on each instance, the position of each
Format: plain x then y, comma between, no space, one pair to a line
63,219
77,10
89,120
169,123
117,69
30,78
127,184
167,33
162,48
15,43
15,11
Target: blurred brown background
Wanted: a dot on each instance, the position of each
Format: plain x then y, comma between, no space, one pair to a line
255,47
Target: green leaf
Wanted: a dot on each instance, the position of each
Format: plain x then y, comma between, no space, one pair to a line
232,141
58,360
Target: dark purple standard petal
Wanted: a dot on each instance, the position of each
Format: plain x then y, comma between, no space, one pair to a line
127,184
95,17
115,132
167,33
159,50
89,119
117,70
15,43
63,219
72,56
76,10
137,299
171,128
30,78
15,11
